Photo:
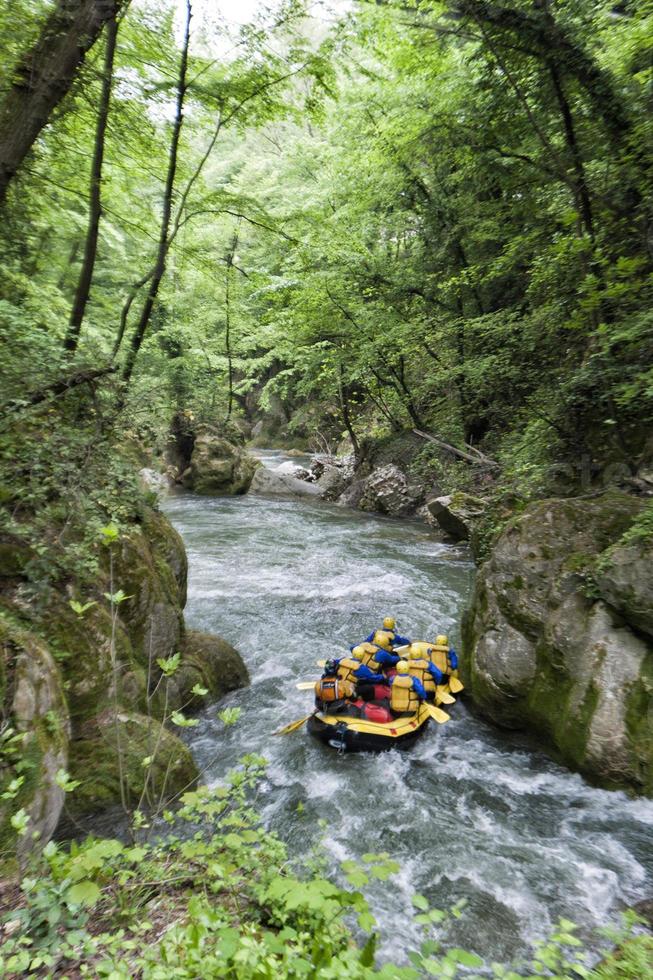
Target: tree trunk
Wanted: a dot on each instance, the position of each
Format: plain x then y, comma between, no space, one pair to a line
227,333
346,415
44,75
95,197
164,241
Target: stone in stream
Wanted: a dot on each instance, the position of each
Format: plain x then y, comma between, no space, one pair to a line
292,469
218,466
457,513
272,482
558,639
388,491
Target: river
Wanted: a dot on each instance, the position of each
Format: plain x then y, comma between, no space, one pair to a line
470,812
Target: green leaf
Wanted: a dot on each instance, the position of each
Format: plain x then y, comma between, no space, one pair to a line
19,822
177,718
420,902
83,893
229,716
170,664
465,959
199,690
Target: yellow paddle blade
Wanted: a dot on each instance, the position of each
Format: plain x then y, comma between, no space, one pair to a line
442,696
292,727
321,663
305,686
406,646
437,714
455,685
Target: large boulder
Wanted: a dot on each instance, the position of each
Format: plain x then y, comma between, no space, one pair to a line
112,765
292,469
388,491
330,480
457,513
218,466
210,662
34,705
272,482
556,638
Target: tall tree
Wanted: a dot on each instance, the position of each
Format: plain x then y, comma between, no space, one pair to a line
83,289
44,75
166,213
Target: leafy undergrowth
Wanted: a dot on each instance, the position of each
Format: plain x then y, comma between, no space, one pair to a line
218,897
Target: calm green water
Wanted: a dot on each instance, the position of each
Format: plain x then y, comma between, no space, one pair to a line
470,812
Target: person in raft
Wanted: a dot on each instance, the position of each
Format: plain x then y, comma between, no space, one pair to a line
387,637
425,671
375,657
443,656
439,652
406,692
352,669
332,694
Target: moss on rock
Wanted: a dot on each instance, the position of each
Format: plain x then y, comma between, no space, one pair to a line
35,706
114,756
544,650
218,466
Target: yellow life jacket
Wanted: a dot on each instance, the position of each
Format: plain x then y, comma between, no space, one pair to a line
402,696
384,638
367,654
439,656
420,670
346,669
330,689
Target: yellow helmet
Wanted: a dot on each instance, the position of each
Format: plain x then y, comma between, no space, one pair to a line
389,623
402,667
442,640
357,652
413,653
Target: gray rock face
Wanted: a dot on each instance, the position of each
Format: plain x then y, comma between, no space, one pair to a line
210,662
330,481
38,709
385,490
292,469
218,466
625,578
272,482
554,638
154,481
457,513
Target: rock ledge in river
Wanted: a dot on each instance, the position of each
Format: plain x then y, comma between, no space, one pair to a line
557,647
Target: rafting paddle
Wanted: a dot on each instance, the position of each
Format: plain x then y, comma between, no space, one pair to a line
455,685
437,714
305,685
443,696
293,726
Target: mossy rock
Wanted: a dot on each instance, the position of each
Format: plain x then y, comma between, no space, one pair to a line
120,744
212,663
152,614
83,648
544,651
34,704
218,466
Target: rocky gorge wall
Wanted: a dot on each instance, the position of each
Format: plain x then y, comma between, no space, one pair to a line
81,691
559,636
